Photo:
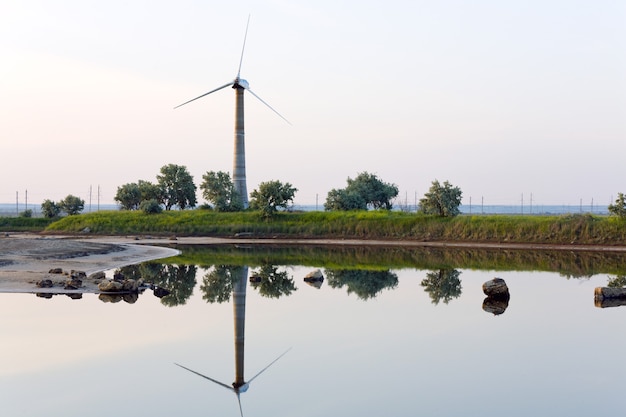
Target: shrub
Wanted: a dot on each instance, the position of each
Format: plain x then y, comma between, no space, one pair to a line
151,207
27,213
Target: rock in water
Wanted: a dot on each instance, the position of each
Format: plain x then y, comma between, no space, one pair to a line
315,275
609,297
73,284
110,286
45,283
496,288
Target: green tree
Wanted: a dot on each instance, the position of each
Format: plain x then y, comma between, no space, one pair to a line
177,187
270,196
150,191
619,208
50,209
72,205
131,196
364,191
442,200
344,200
442,285
128,196
218,188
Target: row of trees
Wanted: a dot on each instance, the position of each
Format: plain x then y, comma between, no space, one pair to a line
70,205
175,188
367,191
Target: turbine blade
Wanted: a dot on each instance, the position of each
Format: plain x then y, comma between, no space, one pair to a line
239,401
243,47
206,94
228,387
264,369
271,108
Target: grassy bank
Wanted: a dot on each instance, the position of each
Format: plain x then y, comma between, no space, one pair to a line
569,229
23,224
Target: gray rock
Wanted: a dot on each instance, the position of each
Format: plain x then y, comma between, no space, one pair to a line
496,288
110,286
97,275
130,285
73,284
45,283
315,275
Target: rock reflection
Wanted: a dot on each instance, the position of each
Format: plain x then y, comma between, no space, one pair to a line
315,279
235,278
442,285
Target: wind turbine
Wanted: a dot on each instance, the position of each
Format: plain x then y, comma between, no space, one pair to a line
240,385
239,315
239,159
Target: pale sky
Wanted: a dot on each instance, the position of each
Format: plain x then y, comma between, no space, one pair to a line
501,98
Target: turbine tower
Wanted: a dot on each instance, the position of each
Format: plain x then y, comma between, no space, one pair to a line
239,158
240,385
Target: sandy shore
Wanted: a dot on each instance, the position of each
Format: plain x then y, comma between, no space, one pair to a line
27,259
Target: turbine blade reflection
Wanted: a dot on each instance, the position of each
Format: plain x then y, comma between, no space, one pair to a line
228,387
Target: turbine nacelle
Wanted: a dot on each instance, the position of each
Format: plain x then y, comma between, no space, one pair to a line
241,388
241,83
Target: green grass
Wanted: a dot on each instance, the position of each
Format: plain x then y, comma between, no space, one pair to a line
569,229
23,224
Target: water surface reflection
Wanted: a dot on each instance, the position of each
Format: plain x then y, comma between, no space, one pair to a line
397,333
237,277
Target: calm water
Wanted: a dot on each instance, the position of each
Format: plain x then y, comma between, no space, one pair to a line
551,353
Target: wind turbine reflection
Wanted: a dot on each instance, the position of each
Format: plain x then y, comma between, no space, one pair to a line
239,312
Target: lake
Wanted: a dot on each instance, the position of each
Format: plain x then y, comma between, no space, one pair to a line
370,341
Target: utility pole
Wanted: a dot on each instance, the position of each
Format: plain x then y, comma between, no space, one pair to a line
17,203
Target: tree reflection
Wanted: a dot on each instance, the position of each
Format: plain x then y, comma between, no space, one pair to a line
272,283
442,285
618,281
217,285
365,284
179,280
